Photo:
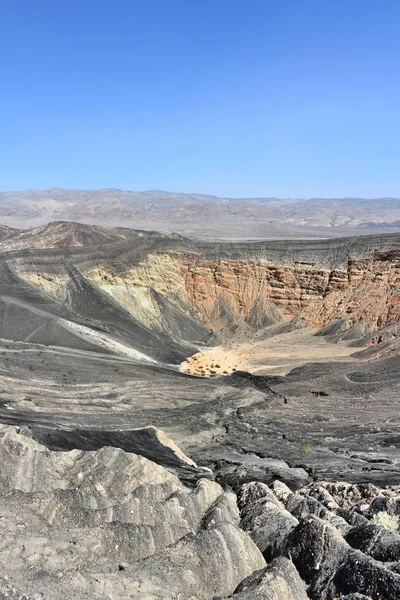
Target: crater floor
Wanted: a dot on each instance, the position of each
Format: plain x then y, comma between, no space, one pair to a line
269,352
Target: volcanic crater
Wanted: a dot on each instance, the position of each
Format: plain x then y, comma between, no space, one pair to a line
265,362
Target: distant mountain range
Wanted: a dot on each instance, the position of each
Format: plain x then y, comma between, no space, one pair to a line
200,214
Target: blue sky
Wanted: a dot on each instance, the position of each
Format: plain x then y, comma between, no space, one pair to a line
232,97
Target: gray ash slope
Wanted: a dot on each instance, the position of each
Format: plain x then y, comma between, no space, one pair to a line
111,509
26,312
83,337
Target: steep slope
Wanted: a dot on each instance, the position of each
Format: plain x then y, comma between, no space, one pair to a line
100,311
60,234
113,323
79,316
186,288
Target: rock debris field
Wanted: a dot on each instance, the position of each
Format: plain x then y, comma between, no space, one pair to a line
109,524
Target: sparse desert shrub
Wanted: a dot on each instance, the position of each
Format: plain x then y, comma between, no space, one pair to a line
389,521
305,446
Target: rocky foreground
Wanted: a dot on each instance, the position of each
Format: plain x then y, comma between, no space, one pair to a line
109,525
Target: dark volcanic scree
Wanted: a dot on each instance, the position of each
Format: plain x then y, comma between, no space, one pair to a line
198,420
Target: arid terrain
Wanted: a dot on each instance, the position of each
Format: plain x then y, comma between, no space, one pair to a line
165,400
275,353
202,215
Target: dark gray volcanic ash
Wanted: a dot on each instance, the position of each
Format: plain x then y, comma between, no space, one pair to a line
88,338
98,503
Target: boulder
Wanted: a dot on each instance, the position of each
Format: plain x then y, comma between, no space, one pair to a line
376,541
331,567
278,581
264,518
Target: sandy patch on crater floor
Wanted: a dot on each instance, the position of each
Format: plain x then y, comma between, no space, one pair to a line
275,355
212,362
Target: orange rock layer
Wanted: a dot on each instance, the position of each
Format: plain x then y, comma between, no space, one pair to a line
228,292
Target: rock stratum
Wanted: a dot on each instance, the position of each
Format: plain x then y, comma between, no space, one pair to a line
179,416
108,524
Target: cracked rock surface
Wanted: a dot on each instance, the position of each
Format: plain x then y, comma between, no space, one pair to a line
113,525
108,524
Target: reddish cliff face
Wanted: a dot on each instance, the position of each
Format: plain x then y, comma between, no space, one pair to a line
227,292
371,295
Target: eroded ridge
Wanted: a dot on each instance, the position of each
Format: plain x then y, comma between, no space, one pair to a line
109,524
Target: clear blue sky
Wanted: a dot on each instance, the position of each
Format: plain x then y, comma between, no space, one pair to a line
234,97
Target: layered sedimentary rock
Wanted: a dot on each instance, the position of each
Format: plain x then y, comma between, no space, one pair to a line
112,525
370,297
108,524
242,290
226,293
188,287
362,290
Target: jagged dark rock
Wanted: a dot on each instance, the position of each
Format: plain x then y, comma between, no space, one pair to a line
389,503
265,519
278,581
376,541
331,567
302,506
355,596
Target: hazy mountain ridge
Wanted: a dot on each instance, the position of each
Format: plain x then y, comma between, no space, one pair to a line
199,213
68,234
